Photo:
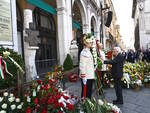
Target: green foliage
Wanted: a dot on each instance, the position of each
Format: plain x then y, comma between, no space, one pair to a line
92,106
99,64
11,81
68,63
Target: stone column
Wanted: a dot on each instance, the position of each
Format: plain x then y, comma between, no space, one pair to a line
85,28
97,34
88,19
29,51
62,26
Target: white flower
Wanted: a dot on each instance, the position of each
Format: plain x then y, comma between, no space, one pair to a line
1,99
4,106
146,80
22,103
13,107
11,95
34,93
3,111
11,99
38,88
139,82
100,102
28,99
19,106
5,94
125,82
6,54
17,100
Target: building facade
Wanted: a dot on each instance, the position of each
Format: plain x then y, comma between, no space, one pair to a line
45,31
141,16
112,33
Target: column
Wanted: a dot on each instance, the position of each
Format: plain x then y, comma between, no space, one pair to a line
85,28
88,19
62,27
29,51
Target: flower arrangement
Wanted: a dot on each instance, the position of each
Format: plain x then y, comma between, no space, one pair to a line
133,74
126,80
10,104
93,106
147,81
108,80
48,96
8,55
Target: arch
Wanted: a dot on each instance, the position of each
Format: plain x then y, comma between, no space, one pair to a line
82,9
93,20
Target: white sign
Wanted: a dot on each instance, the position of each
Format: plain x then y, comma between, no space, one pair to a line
5,21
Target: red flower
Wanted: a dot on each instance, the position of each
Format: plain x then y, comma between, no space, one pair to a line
42,87
46,87
51,100
58,96
43,101
53,89
70,106
50,81
37,107
28,110
49,95
60,112
61,104
36,101
39,81
66,97
56,105
44,110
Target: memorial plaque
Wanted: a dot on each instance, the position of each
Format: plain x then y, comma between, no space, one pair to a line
5,21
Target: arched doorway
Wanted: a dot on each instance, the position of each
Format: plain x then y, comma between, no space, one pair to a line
78,19
93,25
19,30
46,55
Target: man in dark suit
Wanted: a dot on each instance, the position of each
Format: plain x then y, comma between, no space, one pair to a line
117,73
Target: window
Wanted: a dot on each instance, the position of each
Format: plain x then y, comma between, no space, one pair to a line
45,22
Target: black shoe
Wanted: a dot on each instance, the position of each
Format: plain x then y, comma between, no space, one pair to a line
114,101
117,102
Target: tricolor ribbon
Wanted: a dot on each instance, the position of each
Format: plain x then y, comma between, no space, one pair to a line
1,69
5,68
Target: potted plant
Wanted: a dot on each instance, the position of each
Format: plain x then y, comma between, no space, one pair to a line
68,65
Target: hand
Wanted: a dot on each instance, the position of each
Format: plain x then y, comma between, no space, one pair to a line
83,75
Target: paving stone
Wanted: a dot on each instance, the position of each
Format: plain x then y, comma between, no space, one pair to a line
134,101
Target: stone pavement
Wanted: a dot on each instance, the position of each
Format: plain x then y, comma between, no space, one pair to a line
134,101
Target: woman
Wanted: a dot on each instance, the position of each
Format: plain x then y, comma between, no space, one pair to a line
86,68
101,55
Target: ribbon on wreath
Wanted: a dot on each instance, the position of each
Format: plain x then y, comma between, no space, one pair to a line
3,67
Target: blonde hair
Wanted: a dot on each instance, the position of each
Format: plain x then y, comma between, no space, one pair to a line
86,39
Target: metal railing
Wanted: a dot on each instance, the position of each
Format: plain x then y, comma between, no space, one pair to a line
44,66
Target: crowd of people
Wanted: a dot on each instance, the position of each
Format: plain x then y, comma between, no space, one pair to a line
134,56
